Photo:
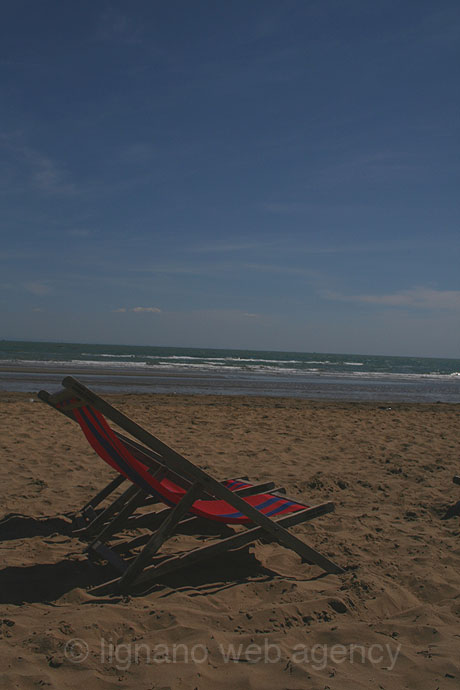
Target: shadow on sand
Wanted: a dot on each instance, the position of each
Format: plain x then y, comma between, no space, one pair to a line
16,526
48,582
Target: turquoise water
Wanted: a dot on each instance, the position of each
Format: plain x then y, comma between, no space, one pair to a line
179,359
304,374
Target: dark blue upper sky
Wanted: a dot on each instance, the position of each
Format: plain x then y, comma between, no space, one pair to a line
278,175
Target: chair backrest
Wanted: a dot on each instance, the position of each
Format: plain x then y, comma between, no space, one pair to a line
79,411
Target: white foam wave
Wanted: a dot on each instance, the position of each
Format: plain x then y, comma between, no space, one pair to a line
172,357
255,360
93,354
76,363
224,359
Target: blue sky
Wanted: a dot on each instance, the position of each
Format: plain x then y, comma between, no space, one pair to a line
272,175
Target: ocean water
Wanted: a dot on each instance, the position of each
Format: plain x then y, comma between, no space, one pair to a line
29,366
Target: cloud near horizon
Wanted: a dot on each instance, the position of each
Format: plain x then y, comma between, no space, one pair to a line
418,297
138,310
38,288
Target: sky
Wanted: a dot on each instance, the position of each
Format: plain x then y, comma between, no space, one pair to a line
261,175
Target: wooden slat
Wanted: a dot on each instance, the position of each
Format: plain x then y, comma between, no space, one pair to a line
113,508
159,537
60,396
120,520
106,491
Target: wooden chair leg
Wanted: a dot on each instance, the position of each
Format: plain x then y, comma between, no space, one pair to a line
111,510
120,520
106,491
161,535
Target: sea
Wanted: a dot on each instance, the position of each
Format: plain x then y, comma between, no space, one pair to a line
31,366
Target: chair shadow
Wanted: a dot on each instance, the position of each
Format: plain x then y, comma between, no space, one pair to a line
42,583
45,583
231,569
17,526
49,581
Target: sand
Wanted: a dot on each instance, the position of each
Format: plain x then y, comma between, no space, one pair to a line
256,618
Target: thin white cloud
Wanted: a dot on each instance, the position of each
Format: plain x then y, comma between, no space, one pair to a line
283,270
118,27
179,270
138,153
227,247
42,172
47,177
79,232
153,310
138,310
38,288
217,268
417,297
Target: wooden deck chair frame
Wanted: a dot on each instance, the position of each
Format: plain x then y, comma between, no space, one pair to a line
140,571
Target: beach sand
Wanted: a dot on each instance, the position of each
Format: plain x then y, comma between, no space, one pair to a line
390,622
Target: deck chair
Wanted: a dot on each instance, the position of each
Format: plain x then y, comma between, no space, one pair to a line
157,470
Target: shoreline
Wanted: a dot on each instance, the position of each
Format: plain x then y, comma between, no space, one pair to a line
213,399
317,386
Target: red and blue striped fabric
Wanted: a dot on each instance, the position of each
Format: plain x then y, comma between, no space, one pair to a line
111,449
